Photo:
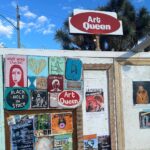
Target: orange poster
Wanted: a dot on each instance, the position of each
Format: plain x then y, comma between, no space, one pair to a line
61,123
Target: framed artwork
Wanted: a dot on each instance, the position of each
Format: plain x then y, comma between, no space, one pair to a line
15,71
132,102
37,66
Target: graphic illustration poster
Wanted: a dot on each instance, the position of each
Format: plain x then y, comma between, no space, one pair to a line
144,118
104,142
22,136
90,142
95,105
37,66
63,142
15,71
62,123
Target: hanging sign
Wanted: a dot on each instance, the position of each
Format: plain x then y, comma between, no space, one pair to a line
95,22
69,99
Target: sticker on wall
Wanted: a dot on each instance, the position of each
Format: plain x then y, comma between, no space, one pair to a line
62,123
37,66
90,142
17,98
32,83
42,125
144,118
94,100
104,142
15,71
69,99
73,69
73,85
22,136
44,143
57,65
63,142
39,99
141,92
53,100
41,83
55,83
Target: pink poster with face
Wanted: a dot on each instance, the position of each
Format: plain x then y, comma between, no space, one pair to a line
15,71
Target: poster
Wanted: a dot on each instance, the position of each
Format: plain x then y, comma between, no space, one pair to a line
73,85
73,69
15,71
62,123
104,142
94,100
37,66
63,142
141,92
42,125
44,143
55,83
57,65
17,98
144,119
90,142
22,136
39,99
41,83
53,100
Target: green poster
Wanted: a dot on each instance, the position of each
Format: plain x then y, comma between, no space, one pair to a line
2,127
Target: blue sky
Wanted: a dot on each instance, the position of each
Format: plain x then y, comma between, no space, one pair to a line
41,18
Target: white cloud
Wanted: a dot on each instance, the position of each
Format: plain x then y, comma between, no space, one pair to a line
28,30
24,8
42,19
29,14
49,29
2,45
6,30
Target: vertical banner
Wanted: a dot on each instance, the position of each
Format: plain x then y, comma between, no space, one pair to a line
15,71
2,133
37,66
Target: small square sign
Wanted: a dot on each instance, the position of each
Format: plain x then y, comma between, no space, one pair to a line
41,83
55,83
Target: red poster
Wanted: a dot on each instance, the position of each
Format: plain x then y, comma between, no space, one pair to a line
55,83
15,71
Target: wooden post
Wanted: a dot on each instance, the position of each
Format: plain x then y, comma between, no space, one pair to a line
98,43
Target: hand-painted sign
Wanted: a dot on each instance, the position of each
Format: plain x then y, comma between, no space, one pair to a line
15,71
95,22
56,66
53,99
69,99
55,83
41,83
32,83
73,85
37,66
39,99
16,98
73,69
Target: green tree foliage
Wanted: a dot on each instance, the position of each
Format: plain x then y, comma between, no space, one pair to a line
136,24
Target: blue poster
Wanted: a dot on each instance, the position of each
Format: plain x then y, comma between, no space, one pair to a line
37,66
32,83
73,69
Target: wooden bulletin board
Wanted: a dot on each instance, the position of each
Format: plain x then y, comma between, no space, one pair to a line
132,77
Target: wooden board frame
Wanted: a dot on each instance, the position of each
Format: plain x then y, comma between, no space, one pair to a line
118,63
111,98
9,113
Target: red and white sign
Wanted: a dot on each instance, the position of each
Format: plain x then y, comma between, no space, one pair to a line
69,99
95,22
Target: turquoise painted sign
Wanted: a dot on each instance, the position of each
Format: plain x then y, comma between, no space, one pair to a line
37,66
17,98
57,66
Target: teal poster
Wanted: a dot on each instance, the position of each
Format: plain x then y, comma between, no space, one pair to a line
2,133
37,66
57,66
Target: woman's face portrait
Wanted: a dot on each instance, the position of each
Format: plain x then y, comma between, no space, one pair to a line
16,75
